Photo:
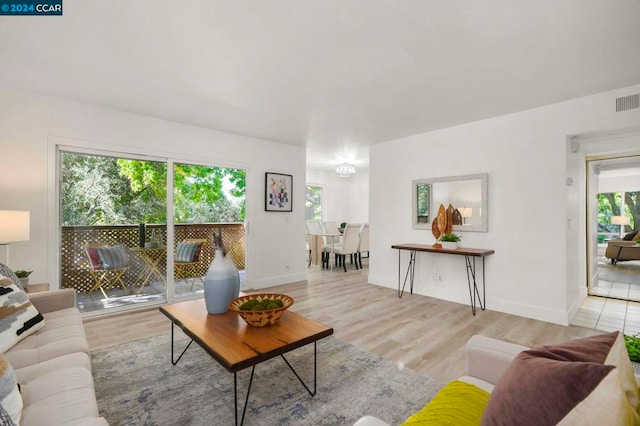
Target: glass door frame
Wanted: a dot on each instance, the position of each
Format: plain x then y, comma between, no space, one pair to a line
60,149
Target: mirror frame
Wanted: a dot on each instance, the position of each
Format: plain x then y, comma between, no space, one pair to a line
484,203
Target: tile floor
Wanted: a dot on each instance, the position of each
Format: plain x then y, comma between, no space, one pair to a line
609,313
606,314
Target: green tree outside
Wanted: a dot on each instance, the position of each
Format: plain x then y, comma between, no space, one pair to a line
98,190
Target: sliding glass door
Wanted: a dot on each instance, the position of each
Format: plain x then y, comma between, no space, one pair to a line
117,248
113,229
207,201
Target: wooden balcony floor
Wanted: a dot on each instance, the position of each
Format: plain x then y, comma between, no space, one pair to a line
154,291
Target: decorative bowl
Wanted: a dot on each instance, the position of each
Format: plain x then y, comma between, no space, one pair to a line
265,317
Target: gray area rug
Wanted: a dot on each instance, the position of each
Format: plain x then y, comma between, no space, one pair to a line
136,384
623,272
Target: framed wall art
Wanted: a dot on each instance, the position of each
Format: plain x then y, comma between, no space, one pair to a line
278,192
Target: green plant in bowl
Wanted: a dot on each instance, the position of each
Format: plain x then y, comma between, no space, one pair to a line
450,238
21,273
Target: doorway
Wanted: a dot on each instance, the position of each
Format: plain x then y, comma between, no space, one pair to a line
613,210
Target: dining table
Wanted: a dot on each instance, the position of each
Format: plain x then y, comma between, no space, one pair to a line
316,245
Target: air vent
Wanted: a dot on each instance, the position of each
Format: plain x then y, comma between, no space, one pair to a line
627,103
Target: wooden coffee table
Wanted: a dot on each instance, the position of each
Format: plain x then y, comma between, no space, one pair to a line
237,345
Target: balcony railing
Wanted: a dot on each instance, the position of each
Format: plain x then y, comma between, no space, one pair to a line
75,267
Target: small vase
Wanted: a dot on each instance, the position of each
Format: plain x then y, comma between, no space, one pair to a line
219,285
449,245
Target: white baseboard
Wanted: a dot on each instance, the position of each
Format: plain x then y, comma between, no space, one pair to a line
274,281
493,303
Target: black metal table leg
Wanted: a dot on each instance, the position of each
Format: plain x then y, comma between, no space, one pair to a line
411,269
173,360
473,289
315,369
235,395
246,399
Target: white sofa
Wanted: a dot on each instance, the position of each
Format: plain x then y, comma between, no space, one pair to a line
53,366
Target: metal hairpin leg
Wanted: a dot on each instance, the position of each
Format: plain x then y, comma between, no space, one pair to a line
175,361
471,274
246,399
411,269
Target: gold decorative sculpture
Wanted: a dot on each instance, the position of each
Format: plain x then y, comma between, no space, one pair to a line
449,226
443,222
439,225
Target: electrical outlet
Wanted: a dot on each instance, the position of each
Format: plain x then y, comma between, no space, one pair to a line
286,267
434,277
440,279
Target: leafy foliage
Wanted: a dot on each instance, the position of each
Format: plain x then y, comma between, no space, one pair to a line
450,238
633,347
613,204
313,203
21,273
99,190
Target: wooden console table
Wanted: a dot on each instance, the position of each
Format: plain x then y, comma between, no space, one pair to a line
469,254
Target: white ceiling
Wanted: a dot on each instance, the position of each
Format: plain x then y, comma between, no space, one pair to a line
332,75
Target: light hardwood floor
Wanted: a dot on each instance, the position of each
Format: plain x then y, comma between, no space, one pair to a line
420,333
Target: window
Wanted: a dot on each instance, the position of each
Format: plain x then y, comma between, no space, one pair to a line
617,204
313,203
120,200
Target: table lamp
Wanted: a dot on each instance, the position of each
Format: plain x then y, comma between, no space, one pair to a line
14,227
465,212
622,221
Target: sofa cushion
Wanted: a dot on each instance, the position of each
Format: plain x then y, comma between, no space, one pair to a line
186,251
10,397
630,236
18,317
113,257
568,384
63,334
31,372
5,418
7,272
59,397
458,403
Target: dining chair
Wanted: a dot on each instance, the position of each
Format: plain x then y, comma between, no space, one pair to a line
363,244
188,260
349,245
107,266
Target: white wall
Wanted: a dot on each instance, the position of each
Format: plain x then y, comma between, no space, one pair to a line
347,199
30,125
525,154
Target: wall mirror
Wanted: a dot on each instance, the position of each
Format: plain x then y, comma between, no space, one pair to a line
467,194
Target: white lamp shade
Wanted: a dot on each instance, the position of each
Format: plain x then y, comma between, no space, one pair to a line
620,220
14,226
466,211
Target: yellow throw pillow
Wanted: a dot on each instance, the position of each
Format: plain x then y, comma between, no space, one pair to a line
458,403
